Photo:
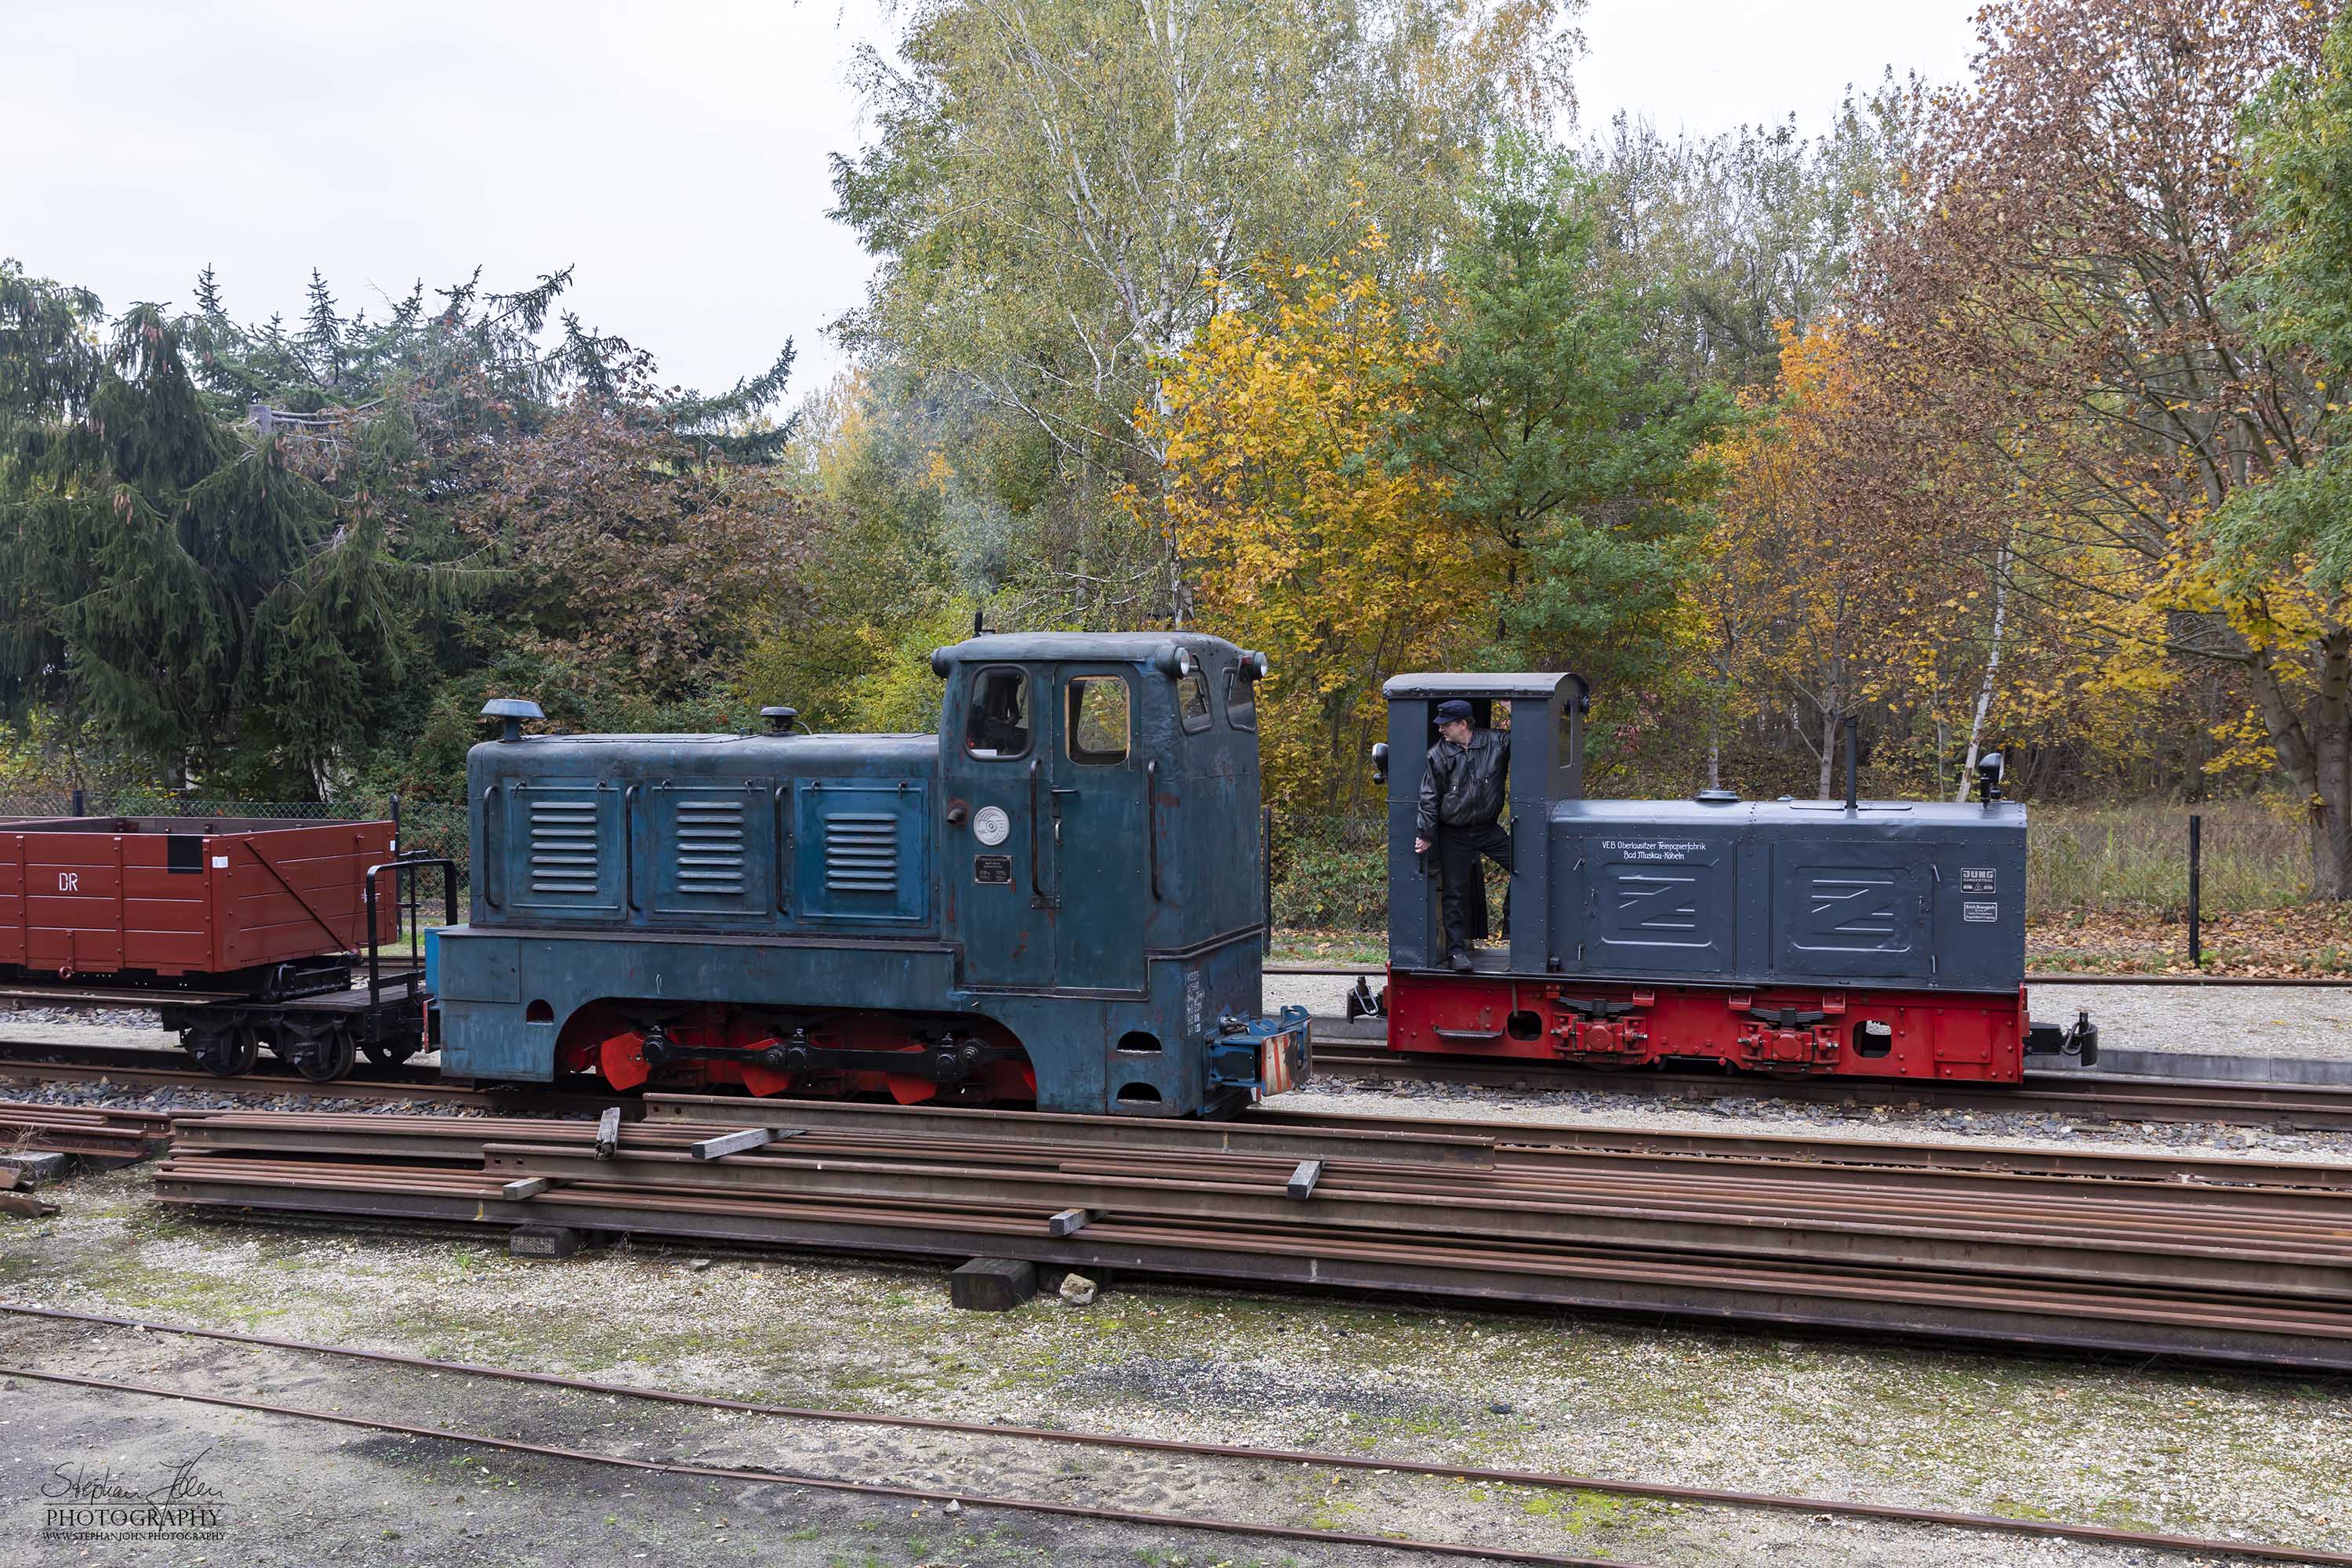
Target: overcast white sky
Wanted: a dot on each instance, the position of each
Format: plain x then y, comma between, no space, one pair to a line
676,154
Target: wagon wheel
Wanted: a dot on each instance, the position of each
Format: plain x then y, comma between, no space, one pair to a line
391,1053
227,1049
325,1053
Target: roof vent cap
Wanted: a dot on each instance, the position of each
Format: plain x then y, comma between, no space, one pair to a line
780,719
1717,798
514,710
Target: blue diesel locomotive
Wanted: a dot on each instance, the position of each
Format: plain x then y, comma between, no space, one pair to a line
1057,899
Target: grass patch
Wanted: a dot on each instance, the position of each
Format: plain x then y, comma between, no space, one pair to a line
2134,860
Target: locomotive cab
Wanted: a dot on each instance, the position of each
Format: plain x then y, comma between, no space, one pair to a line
1102,839
1543,715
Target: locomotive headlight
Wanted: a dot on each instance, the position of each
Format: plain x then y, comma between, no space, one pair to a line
1174,662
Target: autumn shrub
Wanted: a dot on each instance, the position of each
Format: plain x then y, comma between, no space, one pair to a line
1330,873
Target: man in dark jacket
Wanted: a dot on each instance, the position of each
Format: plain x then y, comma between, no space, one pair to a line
1461,790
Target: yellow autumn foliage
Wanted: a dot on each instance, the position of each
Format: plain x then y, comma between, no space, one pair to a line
1304,533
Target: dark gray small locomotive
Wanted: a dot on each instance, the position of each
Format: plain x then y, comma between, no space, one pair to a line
1057,899
1858,938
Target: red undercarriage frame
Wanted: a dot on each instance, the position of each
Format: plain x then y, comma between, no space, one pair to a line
1788,1030
600,1039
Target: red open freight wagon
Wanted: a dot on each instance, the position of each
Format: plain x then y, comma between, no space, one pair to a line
245,930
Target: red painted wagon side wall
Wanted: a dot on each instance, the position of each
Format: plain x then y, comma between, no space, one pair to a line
93,903
1966,1036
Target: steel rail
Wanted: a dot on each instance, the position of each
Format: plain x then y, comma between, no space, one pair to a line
2310,1107
1513,1144
1539,1480
134,1066
2088,1096
2097,1243
829,1483
2280,1246
1142,1239
1935,1305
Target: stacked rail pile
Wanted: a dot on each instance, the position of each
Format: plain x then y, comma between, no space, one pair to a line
2249,1262
93,1132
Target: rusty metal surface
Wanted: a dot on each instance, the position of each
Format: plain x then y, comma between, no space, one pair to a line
1892,1159
2203,1330
2093,1240
41,1061
82,1129
1427,1144
2258,1272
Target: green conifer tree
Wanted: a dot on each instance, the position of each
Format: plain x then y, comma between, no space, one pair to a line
209,604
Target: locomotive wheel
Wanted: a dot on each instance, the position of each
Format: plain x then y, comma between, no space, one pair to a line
325,1055
229,1051
390,1053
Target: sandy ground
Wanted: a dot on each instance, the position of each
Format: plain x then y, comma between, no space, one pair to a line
2147,1447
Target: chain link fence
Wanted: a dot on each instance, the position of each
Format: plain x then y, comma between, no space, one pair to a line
1330,873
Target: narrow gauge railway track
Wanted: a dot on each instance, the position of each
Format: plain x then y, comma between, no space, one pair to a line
2086,1096
133,1067
1534,1479
2253,1265
2110,1097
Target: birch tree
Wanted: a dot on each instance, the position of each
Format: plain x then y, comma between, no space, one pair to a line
1055,184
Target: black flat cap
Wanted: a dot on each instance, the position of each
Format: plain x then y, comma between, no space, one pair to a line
1453,708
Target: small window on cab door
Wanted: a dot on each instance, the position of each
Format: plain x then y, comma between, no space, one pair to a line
1192,702
1240,700
998,725
1095,719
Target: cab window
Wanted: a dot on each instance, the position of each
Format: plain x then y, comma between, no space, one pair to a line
1192,702
1240,700
998,725
1096,719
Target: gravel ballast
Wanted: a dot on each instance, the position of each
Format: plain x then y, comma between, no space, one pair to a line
2136,1446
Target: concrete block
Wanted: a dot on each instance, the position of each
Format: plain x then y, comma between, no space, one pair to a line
543,1241
992,1284
33,1169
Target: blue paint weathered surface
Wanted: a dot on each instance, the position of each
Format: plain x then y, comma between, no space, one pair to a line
1075,856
